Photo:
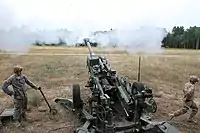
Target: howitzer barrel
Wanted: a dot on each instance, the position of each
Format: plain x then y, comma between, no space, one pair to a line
139,69
90,49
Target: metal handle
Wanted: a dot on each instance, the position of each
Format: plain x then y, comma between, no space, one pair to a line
45,99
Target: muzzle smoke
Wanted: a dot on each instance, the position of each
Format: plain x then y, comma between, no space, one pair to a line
18,38
144,39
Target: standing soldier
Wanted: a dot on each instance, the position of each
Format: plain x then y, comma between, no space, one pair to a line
188,100
18,80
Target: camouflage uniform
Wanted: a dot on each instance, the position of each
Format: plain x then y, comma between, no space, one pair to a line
188,100
18,80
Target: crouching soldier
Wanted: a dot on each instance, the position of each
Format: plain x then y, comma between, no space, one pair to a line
188,100
18,81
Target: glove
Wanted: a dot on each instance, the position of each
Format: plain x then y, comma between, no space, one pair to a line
10,93
39,88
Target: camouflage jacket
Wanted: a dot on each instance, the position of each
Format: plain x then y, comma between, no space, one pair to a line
18,84
189,92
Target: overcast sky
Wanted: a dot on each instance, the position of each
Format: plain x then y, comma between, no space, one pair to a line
99,14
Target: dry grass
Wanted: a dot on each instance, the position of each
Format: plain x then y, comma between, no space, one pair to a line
34,98
165,74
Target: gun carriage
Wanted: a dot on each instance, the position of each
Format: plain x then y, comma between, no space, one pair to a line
116,105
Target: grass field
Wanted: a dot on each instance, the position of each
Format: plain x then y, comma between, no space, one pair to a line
166,73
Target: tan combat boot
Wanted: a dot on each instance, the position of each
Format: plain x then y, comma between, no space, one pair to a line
192,121
171,116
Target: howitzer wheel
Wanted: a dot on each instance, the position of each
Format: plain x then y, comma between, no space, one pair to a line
77,102
101,113
153,106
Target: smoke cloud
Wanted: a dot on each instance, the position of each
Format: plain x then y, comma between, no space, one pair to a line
18,37
13,37
144,39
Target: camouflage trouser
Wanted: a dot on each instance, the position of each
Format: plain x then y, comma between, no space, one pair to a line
20,106
25,103
1,124
187,105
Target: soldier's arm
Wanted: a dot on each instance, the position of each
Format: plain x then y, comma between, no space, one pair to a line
189,92
30,83
6,84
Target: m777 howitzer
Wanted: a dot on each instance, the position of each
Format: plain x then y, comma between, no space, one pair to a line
115,105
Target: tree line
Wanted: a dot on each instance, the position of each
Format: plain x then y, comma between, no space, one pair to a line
179,37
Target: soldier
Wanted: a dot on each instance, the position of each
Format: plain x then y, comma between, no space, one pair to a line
188,100
18,80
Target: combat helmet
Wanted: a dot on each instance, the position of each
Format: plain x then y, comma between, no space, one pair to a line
193,78
17,69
